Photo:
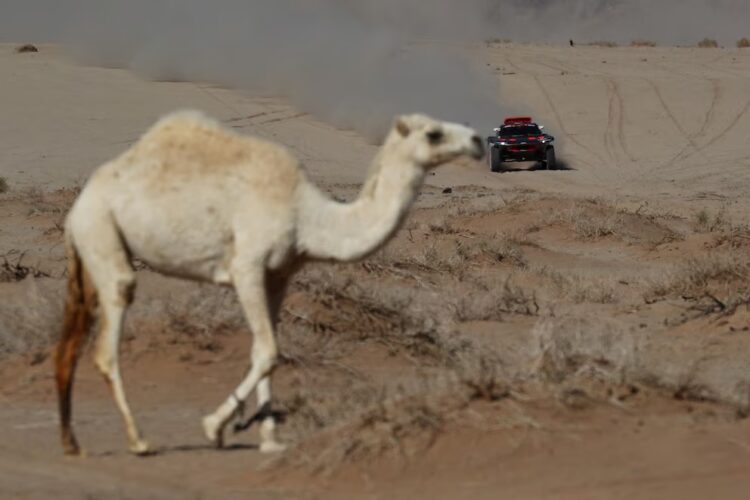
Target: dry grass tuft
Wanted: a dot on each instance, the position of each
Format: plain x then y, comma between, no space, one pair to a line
581,289
31,316
708,43
590,220
26,48
716,273
498,41
15,270
496,301
712,222
642,43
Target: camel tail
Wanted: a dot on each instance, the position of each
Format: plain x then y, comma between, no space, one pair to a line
79,306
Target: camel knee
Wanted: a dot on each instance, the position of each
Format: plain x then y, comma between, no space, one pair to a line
105,361
125,289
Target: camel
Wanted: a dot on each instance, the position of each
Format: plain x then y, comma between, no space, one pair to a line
196,200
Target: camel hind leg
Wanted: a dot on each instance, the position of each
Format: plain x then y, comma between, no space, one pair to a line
109,265
79,306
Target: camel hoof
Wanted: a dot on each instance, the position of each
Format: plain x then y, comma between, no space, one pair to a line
140,448
272,447
72,450
212,428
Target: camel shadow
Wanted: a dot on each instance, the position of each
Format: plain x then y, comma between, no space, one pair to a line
189,448
182,448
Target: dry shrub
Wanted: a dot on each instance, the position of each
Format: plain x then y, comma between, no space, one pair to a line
713,222
504,249
31,313
359,426
642,43
26,48
477,206
698,277
498,41
496,301
708,43
3,185
15,270
589,220
577,346
581,289
743,43
356,421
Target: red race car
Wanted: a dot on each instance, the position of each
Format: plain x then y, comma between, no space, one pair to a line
520,139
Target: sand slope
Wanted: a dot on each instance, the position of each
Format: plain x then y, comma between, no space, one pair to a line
644,380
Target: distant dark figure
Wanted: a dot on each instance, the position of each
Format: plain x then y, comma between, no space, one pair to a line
572,43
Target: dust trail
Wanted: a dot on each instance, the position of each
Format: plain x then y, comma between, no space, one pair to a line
352,63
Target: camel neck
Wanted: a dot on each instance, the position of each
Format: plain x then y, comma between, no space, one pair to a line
348,231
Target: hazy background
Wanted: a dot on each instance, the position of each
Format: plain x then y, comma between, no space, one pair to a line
353,63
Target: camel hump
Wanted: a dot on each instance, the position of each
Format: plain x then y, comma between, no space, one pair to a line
190,140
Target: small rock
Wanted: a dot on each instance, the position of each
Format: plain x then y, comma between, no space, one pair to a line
447,190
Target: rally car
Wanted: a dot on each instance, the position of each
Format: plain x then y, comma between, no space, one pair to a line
520,139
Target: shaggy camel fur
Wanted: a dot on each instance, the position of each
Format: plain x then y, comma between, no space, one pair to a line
195,200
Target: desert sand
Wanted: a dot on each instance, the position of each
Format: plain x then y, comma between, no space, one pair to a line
578,333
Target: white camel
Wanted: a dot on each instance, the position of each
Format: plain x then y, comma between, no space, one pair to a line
195,200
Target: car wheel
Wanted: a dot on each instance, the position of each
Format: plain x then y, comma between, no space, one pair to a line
549,160
496,164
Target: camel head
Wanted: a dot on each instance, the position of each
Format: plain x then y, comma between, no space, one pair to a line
429,143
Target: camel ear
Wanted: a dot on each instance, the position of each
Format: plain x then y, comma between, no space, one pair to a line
402,127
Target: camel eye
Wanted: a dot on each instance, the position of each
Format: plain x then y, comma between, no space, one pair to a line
435,136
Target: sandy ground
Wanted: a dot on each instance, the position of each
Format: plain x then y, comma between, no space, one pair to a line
655,141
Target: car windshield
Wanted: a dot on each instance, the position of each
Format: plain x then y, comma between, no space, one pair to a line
520,130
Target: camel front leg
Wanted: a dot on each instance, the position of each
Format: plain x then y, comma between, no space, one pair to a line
251,289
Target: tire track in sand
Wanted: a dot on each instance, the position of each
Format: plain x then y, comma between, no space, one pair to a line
707,120
614,134
561,122
716,138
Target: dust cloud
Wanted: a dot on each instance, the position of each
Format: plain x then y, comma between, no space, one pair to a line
352,63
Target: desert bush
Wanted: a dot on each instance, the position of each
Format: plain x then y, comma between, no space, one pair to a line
597,226
3,185
580,289
712,222
743,43
25,48
577,346
498,41
589,222
504,249
497,300
31,315
693,278
708,43
15,270
642,43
